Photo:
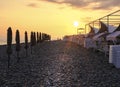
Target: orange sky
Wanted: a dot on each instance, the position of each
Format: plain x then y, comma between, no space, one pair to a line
54,17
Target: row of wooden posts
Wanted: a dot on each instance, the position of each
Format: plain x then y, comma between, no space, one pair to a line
33,41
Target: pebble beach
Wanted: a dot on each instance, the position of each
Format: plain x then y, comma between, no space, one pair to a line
57,64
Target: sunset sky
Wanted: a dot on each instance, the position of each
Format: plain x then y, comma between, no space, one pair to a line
55,17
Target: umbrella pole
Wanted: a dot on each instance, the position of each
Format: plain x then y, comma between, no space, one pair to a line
31,49
18,56
8,60
26,52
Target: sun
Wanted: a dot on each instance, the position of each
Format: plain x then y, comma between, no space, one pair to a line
76,23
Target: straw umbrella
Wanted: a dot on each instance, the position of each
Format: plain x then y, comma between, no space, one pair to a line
17,39
34,40
31,41
43,37
40,37
37,37
34,36
49,37
9,43
26,42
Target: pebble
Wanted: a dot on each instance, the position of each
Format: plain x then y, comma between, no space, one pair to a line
59,64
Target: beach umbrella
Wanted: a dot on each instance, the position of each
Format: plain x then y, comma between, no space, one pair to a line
17,39
34,36
43,36
103,28
37,37
31,41
49,37
92,31
26,42
9,43
34,41
40,38
117,29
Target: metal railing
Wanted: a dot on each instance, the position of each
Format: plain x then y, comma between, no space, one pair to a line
110,19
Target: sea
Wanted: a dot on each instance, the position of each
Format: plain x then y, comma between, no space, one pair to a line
4,42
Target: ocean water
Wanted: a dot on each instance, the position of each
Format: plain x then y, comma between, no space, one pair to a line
4,42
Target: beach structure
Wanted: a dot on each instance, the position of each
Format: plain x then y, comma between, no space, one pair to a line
37,37
106,26
17,39
34,38
88,41
26,42
31,41
46,37
102,31
67,38
40,37
97,40
107,39
78,39
9,44
91,33
114,55
114,36
100,38
98,34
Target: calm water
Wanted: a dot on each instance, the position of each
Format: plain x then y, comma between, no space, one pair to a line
3,42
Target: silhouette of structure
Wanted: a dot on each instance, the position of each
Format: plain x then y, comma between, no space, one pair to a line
9,44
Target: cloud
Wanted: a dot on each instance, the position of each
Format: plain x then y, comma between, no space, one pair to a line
34,5
107,4
86,19
96,4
